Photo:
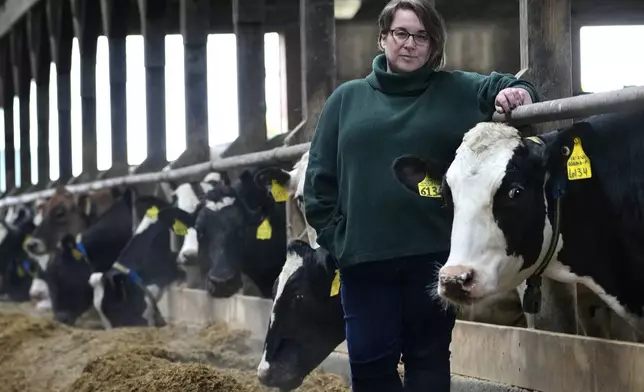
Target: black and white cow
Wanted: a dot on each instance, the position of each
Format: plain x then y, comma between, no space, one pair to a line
307,319
240,230
127,293
504,190
95,250
16,269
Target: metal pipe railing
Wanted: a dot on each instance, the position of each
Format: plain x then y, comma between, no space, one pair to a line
261,157
626,99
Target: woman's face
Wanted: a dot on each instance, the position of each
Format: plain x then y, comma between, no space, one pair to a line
406,53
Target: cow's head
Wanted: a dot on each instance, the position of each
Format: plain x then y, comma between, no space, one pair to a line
223,223
496,188
307,320
16,227
95,250
187,197
67,276
65,213
277,181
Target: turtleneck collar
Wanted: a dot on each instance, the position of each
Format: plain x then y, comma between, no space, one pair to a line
407,83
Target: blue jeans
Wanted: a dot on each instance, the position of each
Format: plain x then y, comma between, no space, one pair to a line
388,312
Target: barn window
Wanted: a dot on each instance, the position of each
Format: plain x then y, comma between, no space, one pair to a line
610,58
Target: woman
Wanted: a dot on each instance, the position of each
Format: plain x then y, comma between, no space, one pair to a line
387,242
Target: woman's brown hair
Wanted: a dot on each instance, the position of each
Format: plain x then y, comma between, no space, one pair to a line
428,16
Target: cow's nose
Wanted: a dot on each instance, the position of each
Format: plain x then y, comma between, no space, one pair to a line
188,257
456,281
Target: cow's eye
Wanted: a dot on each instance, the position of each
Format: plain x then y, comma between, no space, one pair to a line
515,192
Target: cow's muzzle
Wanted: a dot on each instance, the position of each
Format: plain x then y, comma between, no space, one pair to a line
455,283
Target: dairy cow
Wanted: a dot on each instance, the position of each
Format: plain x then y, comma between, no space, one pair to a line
241,231
67,214
16,269
94,250
568,204
126,294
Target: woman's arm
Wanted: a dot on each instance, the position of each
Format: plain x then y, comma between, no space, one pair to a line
321,181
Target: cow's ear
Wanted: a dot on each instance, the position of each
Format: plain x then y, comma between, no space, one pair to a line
274,180
411,170
176,219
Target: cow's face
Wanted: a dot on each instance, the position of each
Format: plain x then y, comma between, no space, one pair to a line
64,214
67,277
306,322
495,186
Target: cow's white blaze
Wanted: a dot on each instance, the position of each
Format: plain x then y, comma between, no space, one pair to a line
187,200
296,189
38,289
190,248
220,204
96,281
477,242
292,264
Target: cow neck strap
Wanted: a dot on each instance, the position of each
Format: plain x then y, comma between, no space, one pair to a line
532,294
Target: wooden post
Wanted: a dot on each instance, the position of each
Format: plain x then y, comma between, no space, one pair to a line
317,27
40,56
115,19
87,24
194,17
7,98
248,25
153,13
22,80
546,53
61,33
293,55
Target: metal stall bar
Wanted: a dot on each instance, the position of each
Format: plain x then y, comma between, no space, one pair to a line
626,99
262,157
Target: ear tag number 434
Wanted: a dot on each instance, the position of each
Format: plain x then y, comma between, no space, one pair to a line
578,164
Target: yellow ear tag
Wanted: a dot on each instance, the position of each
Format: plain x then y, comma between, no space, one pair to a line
535,139
179,228
429,187
77,254
152,213
264,231
279,193
335,285
578,163
20,272
27,238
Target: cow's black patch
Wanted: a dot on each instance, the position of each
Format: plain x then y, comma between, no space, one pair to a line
519,205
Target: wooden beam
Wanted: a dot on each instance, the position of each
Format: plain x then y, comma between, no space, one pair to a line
318,62
40,56
115,19
546,53
61,33
87,24
153,25
194,28
22,80
248,22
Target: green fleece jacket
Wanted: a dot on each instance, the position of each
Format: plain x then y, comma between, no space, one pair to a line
353,200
